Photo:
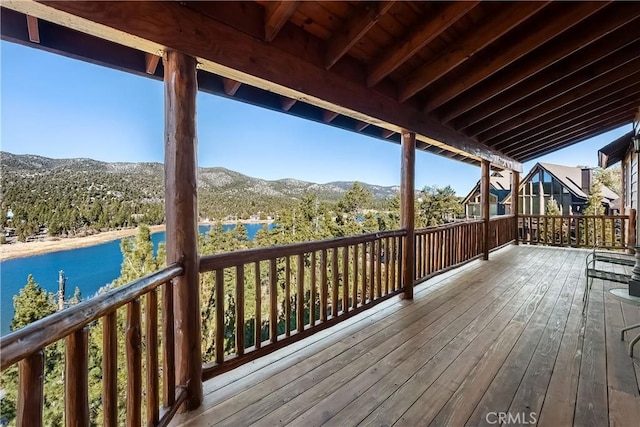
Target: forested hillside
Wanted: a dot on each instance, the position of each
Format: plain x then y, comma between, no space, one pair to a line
72,196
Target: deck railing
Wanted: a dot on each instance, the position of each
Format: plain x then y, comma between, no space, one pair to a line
443,247
296,289
502,231
26,348
611,232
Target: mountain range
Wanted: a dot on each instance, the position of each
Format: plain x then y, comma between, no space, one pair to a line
29,179
217,180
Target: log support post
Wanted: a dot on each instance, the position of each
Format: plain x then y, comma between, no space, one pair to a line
515,204
407,209
484,203
180,168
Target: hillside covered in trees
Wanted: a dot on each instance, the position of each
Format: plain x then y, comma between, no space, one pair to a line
66,197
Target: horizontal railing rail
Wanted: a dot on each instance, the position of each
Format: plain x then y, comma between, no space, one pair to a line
443,247
26,347
259,300
606,231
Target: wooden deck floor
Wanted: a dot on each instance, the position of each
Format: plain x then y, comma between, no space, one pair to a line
503,336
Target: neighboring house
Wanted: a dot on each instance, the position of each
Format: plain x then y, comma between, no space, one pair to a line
568,186
499,189
621,150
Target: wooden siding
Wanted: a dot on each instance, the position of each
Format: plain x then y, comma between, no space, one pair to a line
504,335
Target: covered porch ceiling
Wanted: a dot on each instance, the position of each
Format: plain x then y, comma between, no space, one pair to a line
500,81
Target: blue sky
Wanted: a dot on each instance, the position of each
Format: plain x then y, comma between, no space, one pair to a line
58,107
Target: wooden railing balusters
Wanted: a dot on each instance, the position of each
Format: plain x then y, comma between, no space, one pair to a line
77,378
110,369
240,310
345,279
354,286
324,308
387,256
363,261
257,330
31,390
372,270
273,301
300,294
134,364
220,308
313,293
378,253
287,296
334,282
153,401
168,348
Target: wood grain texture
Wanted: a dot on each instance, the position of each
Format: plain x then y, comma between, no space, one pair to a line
19,344
133,347
407,209
76,383
181,216
30,390
152,388
110,370
485,170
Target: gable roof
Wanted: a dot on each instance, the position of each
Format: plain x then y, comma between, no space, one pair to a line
570,177
500,182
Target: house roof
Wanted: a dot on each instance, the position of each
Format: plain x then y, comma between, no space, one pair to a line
475,80
571,178
613,152
499,181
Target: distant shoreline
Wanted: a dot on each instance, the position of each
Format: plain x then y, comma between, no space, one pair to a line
56,244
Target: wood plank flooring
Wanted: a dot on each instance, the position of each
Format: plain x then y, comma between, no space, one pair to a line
504,336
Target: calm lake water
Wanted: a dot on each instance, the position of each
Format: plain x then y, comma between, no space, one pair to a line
88,268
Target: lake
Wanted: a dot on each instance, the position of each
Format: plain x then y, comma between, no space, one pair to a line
88,268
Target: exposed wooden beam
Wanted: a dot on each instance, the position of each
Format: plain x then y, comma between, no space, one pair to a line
230,86
182,217
612,18
364,17
244,58
461,50
287,103
386,133
419,37
275,16
577,127
151,63
565,141
577,123
547,101
407,208
565,115
485,65
32,28
328,116
555,80
360,126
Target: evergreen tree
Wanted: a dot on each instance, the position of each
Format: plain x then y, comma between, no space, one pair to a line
438,205
31,304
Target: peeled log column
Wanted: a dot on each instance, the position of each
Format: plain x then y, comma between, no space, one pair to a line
484,201
181,213
515,203
407,209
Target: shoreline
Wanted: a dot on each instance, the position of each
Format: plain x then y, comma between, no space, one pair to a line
58,244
